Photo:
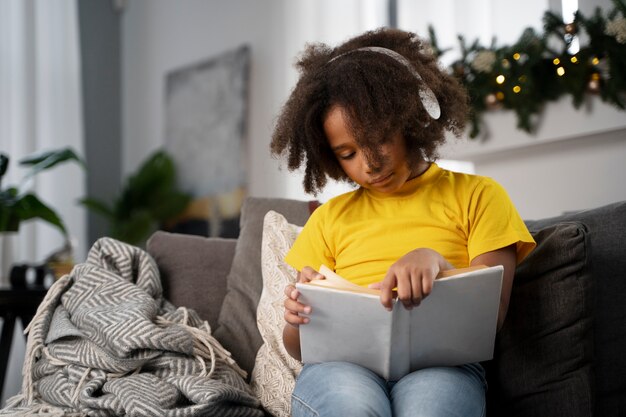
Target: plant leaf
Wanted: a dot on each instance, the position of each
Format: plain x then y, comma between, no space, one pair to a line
9,222
144,189
172,204
98,206
41,161
30,207
135,229
4,165
9,218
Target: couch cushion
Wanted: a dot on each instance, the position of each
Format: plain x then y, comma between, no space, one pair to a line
188,263
607,234
275,371
543,355
237,329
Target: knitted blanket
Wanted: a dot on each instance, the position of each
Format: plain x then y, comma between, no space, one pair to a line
104,342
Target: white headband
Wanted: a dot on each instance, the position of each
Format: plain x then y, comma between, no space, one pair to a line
428,98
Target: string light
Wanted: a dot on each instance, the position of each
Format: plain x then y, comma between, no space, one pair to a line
500,95
560,71
556,61
593,86
595,60
517,89
574,59
500,79
516,56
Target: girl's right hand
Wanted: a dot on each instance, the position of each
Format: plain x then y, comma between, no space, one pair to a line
293,308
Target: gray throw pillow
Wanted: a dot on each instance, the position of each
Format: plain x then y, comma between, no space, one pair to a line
543,355
607,233
193,270
237,330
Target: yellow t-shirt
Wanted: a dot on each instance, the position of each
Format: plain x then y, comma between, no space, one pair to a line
360,234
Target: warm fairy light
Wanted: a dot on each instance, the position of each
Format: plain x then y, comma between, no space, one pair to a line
500,95
595,60
556,61
516,56
574,59
517,89
595,76
560,71
500,79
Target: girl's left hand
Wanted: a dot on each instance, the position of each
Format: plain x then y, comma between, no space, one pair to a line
413,276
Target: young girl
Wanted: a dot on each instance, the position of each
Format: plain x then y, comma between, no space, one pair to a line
373,111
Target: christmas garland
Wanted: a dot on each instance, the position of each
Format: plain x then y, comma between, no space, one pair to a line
524,76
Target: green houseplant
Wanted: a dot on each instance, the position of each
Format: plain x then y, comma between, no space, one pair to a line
18,204
148,198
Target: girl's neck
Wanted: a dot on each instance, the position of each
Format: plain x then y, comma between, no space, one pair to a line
421,167
423,174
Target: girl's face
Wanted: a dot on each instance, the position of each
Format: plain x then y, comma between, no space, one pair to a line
388,177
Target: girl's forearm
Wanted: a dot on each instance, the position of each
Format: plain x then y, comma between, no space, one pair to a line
291,340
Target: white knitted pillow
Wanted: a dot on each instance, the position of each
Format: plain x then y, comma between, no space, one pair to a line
275,371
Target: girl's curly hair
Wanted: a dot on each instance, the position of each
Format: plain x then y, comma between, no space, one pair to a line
379,96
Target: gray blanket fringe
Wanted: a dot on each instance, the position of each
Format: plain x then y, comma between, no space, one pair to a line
104,342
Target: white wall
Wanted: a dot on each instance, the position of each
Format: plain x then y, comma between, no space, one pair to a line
160,35
573,163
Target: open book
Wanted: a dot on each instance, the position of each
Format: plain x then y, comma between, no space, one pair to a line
455,324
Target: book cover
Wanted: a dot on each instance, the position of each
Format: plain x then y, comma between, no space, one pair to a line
455,324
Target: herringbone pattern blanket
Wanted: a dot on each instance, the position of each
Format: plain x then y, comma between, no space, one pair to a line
105,342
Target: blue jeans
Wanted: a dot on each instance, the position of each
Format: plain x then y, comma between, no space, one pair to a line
343,389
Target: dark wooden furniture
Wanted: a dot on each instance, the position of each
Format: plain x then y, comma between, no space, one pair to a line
15,303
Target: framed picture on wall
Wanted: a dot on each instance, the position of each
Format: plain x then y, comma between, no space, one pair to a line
205,132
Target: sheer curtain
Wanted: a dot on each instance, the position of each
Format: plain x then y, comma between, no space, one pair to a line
40,109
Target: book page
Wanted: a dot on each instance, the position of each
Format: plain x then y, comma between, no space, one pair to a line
345,326
400,349
456,323
335,281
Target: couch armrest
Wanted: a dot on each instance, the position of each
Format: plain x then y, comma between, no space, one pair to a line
193,270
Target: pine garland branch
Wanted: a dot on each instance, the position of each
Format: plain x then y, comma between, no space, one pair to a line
526,75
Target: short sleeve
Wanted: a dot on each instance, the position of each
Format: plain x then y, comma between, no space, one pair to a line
311,247
494,222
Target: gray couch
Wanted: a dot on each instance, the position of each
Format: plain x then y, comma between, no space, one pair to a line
561,351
